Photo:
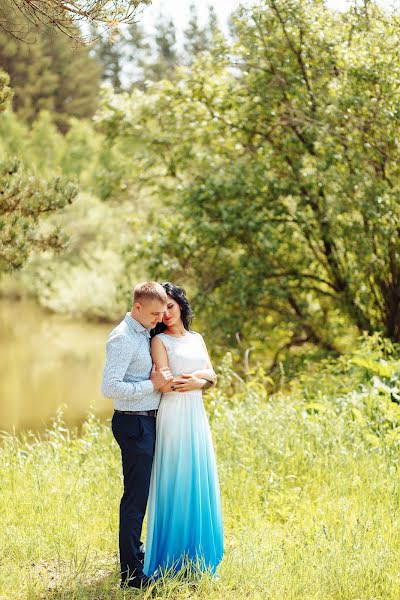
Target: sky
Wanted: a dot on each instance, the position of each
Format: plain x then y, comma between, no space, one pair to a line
179,11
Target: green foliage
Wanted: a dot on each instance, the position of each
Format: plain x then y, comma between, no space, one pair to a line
24,199
87,277
48,73
81,146
133,58
309,487
109,54
45,143
14,135
5,91
196,38
277,159
104,168
129,46
65,17
166,61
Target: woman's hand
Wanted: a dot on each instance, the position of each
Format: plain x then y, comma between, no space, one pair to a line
187,382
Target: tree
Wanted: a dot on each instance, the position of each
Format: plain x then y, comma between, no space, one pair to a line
108,51
166,58
66,17
24,198
5,91
138,52
280,158
123,56
196,38
49,74
213,26
141,57
78,78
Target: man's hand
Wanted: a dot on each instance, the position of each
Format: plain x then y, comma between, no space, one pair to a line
187,382
161,377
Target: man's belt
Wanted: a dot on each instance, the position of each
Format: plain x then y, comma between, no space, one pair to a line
138,413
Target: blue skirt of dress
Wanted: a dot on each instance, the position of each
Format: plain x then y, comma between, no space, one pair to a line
184,523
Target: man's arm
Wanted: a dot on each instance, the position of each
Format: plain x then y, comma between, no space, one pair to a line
120,351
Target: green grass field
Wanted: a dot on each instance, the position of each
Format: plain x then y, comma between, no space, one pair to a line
310,488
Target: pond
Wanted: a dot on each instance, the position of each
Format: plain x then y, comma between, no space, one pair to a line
48,362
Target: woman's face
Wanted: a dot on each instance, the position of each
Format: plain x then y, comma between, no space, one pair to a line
173,313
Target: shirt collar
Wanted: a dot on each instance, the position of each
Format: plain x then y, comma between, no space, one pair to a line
135,325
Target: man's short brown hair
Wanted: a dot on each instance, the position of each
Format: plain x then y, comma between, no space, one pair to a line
149,290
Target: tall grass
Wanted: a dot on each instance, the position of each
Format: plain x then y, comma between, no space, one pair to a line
310,488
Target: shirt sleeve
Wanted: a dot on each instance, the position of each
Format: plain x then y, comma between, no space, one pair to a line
119,354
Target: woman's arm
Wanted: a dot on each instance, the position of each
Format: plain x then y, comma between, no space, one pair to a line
203,378
207,373
160,360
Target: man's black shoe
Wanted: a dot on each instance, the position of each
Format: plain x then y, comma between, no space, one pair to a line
136,582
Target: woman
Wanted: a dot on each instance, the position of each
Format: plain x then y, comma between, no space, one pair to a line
184,525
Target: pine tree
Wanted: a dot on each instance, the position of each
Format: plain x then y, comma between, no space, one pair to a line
138,53
166,59
49,74
108,51
213,25
5,91
24,198
123,56
196,37
31,78
65,17
78,78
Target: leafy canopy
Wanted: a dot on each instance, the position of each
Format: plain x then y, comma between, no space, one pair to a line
277,157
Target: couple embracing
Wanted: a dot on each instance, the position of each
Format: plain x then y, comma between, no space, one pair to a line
156,368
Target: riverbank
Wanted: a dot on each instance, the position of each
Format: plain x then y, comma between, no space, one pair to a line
49,361
309,484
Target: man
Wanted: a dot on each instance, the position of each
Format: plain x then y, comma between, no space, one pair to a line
129,379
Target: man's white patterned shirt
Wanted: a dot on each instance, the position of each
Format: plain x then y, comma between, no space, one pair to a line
126,375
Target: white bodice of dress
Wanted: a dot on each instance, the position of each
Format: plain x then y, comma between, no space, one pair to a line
185,354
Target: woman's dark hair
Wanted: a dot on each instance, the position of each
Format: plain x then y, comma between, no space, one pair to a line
178,294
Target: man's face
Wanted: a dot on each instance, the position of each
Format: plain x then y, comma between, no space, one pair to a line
150,312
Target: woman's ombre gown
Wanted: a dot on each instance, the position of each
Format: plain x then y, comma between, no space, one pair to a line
184,509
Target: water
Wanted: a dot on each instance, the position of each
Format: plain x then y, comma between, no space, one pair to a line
48,361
